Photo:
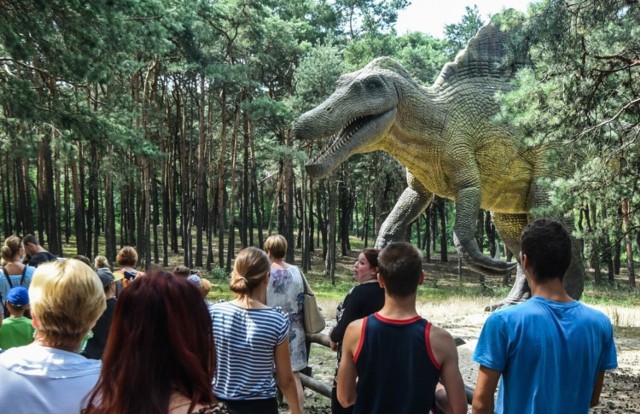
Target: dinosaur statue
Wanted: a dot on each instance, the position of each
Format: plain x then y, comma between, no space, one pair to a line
446,137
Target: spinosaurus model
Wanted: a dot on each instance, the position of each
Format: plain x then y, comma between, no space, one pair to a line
446,137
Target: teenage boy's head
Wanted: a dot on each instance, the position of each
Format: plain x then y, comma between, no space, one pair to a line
547,245
400,267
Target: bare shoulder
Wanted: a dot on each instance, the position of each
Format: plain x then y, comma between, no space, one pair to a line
442,344
352,336
440,334
354,327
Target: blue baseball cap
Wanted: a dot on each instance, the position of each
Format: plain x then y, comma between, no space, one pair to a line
18,296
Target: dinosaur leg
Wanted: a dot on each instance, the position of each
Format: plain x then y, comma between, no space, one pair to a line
411,203
510,227
467,207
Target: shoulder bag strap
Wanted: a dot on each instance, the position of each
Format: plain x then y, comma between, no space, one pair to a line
307,288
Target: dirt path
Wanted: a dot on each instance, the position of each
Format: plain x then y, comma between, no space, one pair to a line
464,318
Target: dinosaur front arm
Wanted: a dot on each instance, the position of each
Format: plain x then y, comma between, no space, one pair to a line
411,203
467,207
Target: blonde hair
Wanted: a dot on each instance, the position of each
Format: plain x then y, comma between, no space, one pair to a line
100,262
276,245
10,248
252,265
205,287
66,299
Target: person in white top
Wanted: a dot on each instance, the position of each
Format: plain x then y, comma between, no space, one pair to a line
50,375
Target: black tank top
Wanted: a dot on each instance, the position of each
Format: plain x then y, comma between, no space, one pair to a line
397,372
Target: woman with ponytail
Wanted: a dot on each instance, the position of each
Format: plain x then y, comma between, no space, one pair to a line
249,338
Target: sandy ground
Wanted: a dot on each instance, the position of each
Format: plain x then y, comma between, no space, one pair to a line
464,318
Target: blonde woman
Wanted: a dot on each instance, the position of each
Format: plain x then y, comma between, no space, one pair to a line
50,375
286,290
13,272
249,338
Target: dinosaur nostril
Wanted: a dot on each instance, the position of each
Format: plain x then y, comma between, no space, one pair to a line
328,109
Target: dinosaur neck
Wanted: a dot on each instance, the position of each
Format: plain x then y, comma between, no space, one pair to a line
417,132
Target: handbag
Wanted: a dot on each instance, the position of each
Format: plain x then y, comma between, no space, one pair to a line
313,319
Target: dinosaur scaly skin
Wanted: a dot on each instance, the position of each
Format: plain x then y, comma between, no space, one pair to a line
446,137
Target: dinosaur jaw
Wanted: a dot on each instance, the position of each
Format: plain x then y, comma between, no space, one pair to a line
359,135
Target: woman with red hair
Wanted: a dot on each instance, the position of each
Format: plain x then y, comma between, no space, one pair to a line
160,356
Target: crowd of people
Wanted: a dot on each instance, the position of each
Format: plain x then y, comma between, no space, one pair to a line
78,337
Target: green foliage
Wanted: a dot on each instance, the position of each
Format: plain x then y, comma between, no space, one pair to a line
581,97
422,55
458,34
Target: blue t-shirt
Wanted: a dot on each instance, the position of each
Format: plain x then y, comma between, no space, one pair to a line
549,353
245,341
15,282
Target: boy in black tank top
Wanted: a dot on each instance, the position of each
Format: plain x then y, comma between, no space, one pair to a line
392,360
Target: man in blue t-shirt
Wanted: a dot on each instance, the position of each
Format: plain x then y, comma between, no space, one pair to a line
549,353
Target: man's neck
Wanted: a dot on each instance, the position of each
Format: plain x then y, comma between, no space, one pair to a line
552,289
399,308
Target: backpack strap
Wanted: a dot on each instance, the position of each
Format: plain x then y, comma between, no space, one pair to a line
24,274
6,275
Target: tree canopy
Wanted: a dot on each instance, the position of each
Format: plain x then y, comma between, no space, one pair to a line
168,124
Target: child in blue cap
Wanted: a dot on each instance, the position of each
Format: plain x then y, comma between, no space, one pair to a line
17,330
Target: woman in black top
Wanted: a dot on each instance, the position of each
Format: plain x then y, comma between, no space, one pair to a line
362,300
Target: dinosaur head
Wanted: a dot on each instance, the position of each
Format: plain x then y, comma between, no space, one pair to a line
358,115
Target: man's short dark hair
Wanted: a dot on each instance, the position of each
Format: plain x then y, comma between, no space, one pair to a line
30,239
400,266
547,245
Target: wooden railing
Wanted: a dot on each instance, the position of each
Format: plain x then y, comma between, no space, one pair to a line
325,389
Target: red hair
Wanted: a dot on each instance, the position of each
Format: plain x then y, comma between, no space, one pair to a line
160,341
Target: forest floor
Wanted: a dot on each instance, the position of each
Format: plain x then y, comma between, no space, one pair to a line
463,315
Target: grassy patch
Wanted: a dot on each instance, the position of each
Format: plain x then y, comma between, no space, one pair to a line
616,294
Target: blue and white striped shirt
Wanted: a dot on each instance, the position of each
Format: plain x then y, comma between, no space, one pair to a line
245,341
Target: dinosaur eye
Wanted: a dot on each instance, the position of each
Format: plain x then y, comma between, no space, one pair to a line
373,84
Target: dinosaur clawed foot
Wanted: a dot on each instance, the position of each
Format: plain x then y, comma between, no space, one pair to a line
490,267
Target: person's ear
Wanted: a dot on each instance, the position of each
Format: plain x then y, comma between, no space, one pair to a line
421,280
380,280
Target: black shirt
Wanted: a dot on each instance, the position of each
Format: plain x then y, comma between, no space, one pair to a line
42,257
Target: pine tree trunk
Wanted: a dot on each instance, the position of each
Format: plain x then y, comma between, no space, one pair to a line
595,244
67,204
110,218
232,190
221,177
444,255
427,235
78,203
245,213
255,189
330,261
345,200
201,207
627,239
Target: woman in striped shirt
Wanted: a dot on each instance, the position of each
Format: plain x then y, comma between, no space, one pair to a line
249,337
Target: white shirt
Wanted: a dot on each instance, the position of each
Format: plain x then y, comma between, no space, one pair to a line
38,379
